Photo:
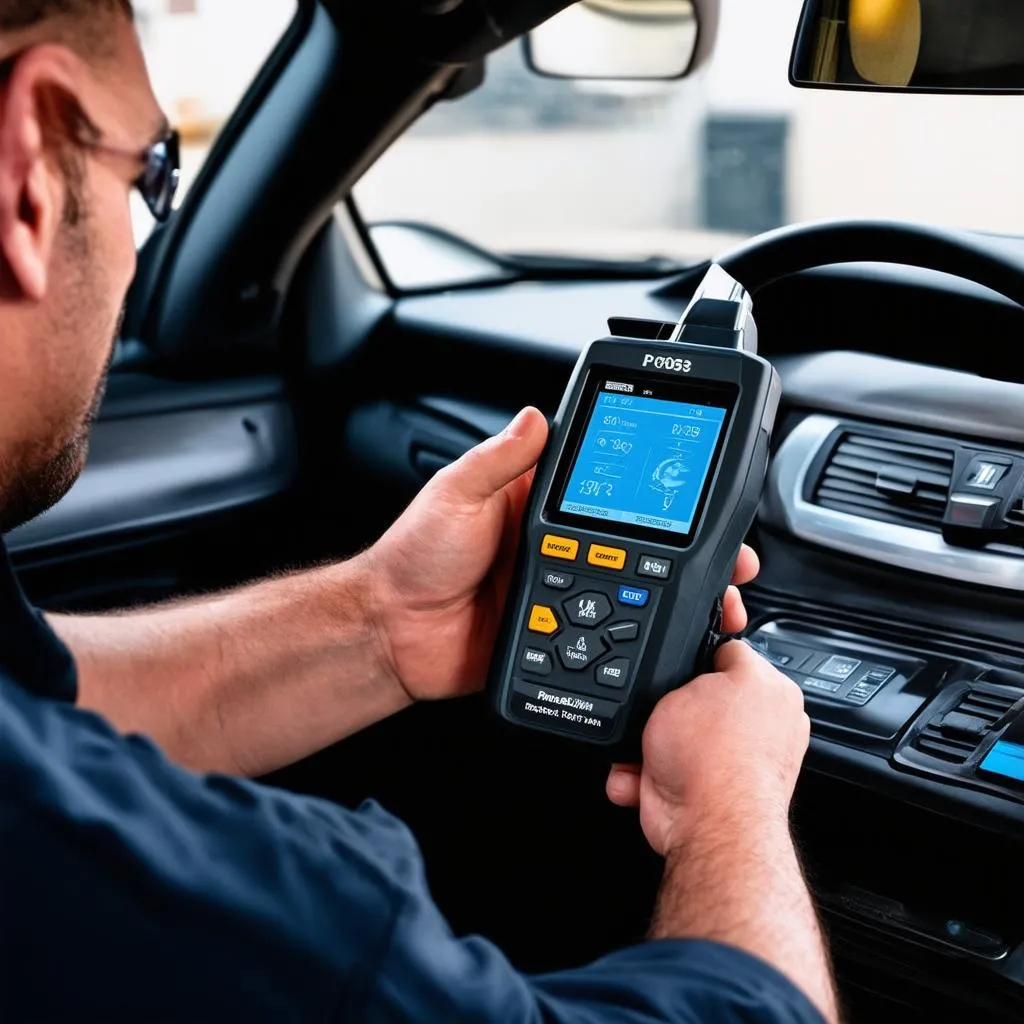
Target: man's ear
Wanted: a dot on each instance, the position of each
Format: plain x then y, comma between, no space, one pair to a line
32,190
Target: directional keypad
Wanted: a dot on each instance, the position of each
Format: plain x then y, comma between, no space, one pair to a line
589,609
578,650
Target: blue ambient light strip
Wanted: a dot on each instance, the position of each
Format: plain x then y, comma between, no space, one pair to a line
1006,759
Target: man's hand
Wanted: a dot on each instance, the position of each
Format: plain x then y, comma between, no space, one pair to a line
624,779
732,739
721,759
444,568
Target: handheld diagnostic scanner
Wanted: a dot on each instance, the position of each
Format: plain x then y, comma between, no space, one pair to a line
648,485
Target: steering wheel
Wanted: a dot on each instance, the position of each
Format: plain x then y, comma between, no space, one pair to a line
991,260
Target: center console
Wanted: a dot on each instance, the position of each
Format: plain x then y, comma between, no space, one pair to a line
891,537
957,718
930,724
852,685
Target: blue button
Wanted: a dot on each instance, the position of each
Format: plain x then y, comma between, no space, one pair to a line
635,596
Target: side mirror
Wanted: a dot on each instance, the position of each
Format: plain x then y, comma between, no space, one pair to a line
910,46
624,39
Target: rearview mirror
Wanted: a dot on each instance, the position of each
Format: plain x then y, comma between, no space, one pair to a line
618,39
959,46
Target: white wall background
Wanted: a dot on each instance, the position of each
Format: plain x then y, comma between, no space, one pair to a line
211,55
633,189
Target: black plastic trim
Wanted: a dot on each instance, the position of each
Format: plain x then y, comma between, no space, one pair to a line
139,394
902,394
872,771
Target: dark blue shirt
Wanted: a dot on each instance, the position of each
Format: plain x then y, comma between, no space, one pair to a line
132,890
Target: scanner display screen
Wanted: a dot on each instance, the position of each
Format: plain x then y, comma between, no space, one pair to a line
646,455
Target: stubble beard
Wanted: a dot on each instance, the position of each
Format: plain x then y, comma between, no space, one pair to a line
37,474
35,478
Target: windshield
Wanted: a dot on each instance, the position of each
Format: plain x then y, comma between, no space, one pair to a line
685,169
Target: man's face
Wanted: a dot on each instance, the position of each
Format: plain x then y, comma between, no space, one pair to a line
65,330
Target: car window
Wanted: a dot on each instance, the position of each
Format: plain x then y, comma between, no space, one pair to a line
685,169
202,56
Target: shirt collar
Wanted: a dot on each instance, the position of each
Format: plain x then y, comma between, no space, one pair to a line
31,655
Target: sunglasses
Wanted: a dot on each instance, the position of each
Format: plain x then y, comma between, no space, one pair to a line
158,181
161,170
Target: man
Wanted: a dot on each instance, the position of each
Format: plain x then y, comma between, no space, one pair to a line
134,888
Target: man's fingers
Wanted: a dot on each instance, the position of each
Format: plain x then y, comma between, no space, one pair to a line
734,614
748,565
496,462
734,655
623,786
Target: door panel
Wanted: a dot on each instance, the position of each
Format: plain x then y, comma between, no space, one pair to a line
158,471
188,487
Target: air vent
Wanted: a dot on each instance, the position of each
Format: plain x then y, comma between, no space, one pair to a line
889,480
954,735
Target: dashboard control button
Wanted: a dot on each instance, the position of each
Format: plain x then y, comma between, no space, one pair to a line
613,673
622,632
589,609
559,547
971,510
861,688
577,651
656,568
822,685
862,692
839,667
880,674
606,558
542,620
637,597
984,474
536,662
558,580
858,700
781,655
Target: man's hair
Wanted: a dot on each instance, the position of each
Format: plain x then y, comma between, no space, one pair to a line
82,25
17,14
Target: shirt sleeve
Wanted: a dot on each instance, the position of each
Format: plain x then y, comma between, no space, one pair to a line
427,974
133,890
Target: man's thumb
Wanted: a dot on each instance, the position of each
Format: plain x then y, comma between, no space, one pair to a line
496,462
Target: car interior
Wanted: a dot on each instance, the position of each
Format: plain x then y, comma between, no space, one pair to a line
277,400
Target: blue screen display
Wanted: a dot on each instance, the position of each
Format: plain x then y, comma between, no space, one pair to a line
644,461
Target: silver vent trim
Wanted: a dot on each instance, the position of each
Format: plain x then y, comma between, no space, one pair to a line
901,547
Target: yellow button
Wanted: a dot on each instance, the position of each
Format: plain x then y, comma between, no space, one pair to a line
607,558
559,547
542,620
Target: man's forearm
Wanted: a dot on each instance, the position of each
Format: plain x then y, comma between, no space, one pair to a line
246,681
741,884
